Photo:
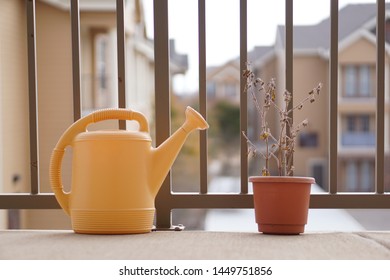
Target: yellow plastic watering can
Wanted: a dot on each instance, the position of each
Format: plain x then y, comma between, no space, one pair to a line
116,174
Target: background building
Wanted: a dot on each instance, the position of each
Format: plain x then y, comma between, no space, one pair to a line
356,94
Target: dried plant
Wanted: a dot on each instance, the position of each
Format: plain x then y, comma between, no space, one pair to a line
281,148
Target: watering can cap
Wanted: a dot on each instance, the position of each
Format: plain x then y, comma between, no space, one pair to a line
113,135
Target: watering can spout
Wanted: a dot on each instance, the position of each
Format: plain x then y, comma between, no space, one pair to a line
164,156
193,121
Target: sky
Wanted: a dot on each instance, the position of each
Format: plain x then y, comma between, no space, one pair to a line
222,28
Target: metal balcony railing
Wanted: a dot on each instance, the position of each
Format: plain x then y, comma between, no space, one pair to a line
168,200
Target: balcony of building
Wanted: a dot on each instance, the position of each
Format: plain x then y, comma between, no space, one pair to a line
358,139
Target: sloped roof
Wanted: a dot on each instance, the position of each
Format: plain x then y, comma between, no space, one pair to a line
179,62
213,71
260,52
351,18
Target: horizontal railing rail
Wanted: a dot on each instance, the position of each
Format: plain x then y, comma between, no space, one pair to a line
167,200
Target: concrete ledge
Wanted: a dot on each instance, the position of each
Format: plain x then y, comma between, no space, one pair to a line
193,245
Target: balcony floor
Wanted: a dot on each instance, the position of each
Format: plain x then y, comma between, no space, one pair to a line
34,244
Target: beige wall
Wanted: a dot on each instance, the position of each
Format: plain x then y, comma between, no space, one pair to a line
97,20
14,153
14,95
54,99
361,51
308,72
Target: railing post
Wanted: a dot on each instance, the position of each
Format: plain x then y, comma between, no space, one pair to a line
202,93
289,54
76,68
243,96
121,56
162,93
333,95
33,97
380,98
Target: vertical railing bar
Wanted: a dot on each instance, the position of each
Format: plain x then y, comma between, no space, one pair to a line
243,96
289,45
33,98
380,111
289,54
75,22
121,49
333,130
162,102
202,93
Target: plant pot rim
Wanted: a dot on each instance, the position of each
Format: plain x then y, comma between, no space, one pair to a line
282,179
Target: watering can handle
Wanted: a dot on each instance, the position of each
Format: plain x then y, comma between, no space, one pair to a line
76,128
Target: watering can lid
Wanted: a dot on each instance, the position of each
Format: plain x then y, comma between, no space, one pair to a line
113,135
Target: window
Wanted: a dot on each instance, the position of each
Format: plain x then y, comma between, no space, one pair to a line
318,171
230,90
359,175
350,83
101,61
364,80
211,89
351,176
357,80
358,123
351,123
366,175
308,139
358,131
365,123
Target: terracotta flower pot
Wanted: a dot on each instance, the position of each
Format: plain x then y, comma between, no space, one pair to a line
281,203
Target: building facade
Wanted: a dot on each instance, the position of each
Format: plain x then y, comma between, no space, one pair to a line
356,94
